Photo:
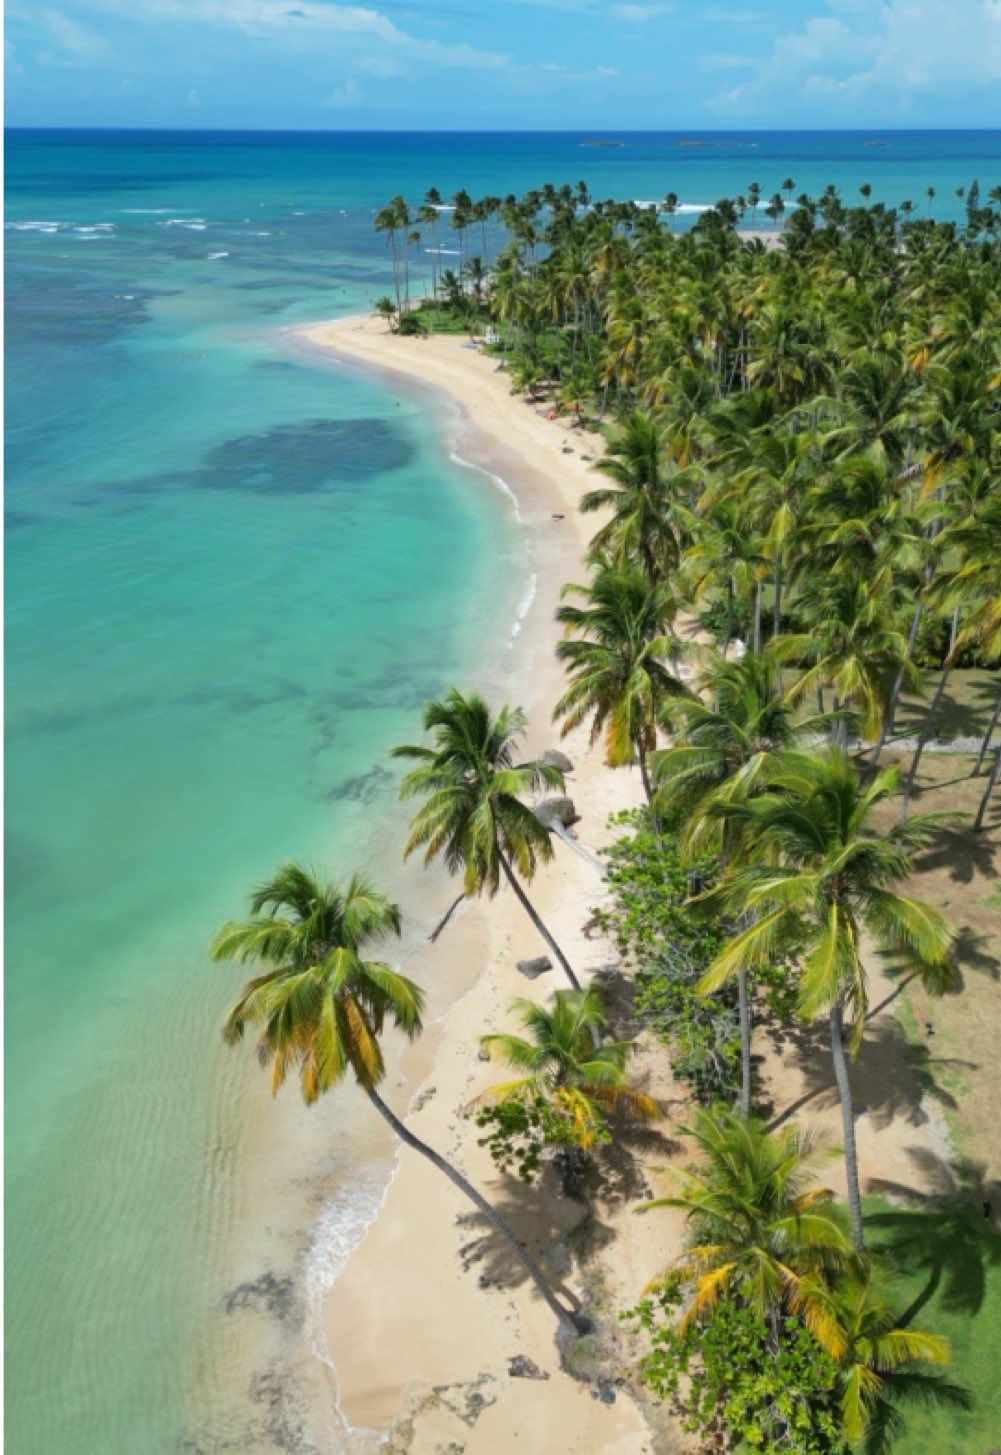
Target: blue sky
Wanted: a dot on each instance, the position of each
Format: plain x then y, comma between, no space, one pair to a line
504,63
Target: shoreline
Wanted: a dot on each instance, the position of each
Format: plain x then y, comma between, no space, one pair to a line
391,1378
387,1375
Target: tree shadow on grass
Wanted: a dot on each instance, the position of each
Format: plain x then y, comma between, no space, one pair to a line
952,1233
969,952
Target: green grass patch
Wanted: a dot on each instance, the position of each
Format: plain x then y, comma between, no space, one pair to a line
440,318
947,1257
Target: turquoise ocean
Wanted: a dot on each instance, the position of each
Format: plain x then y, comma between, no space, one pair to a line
234,572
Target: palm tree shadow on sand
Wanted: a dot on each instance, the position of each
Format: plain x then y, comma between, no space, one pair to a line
890,1077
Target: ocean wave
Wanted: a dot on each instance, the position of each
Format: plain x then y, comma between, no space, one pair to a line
498,480
213,256
694,207
525,605
196,224
34,226
341,1226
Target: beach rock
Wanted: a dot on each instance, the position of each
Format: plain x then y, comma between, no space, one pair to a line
553,756
532,969
557,515
556,810
519,1366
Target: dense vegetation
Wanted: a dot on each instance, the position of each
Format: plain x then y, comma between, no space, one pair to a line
801,472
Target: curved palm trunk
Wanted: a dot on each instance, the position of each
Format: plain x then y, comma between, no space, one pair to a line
987,738
563,1315
847,1121
978,822
529,909
744,1013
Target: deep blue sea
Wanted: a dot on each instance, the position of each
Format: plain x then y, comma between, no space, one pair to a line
233,575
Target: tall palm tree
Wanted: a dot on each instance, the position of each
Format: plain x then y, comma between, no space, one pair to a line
820,876
618,664
760,1230
322,1004
563,1061
852,644
644,519
724,740
472,814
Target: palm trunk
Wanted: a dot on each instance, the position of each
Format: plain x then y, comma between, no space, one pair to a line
847,1122
987,738
929,718
529,909
891,708
978,822
744,1013
757,618
777,602
563,1316
647,788
729,614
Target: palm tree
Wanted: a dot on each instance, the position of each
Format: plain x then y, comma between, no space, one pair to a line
820,876
322,1005
760,1231
724,740
565,1063
853,645
854,1324
618,664
643,520
472,815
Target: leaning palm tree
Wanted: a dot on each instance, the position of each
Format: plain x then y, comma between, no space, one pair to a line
761,1232
563,1062
322,1005
472,814
725,738
617,656
819,876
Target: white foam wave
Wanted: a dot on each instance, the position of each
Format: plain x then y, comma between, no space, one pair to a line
213,256
525,605
197,224
152,211
694,207
498,480
342,1225
34,226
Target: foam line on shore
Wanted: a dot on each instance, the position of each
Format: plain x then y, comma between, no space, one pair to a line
498,480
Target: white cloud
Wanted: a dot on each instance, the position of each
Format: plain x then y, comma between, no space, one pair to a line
860,58
305,21
347,95
637,13
76,41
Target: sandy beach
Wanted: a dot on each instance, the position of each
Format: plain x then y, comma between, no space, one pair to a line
422,1323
